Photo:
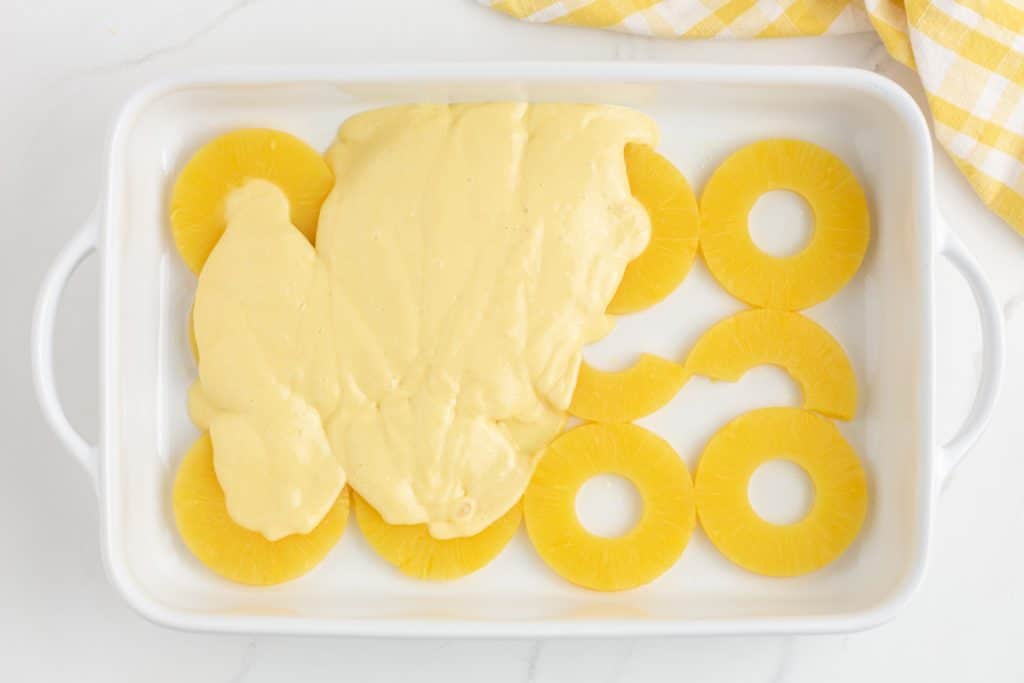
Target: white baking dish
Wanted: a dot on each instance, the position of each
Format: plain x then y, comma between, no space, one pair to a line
884,318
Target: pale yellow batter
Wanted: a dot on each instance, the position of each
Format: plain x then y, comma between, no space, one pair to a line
267,374
466,255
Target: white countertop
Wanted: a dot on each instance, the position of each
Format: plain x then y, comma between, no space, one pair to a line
66,69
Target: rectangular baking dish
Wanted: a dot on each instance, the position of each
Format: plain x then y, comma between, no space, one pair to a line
884,318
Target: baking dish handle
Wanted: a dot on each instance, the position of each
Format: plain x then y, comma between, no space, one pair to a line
993,354
56,279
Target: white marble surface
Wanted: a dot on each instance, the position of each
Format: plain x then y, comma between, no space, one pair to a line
66,67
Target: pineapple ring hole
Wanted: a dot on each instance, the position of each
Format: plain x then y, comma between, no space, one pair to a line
781,492
608,505
781,223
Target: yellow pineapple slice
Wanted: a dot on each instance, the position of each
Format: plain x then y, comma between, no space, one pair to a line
646,551
842,226
807,440
675,222
626,395
234,552
795,343
416,553
228,162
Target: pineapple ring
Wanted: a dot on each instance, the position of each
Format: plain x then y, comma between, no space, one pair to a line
807,440
236,553
842,226
416,553
228,162
675,222
626,395
610,564
792,341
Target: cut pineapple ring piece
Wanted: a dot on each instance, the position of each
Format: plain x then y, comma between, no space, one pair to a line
610,564
807,440
841,224
234,552
626,395
796,343
228,162
675,223
416,553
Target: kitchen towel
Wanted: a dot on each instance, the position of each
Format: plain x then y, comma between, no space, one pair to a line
969,55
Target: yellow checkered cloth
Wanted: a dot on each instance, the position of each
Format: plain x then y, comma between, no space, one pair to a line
968,53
